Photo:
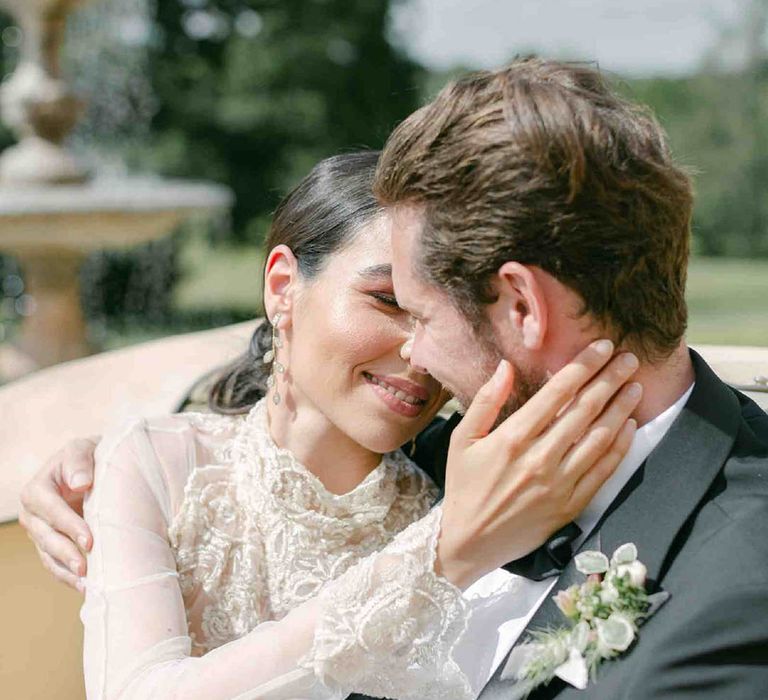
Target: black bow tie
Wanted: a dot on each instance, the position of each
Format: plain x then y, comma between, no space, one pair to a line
548,560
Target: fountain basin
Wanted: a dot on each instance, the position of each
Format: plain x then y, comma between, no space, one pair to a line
104,213
50,230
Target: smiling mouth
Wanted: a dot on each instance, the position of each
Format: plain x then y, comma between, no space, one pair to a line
394,391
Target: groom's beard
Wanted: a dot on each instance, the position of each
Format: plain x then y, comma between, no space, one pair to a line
526,383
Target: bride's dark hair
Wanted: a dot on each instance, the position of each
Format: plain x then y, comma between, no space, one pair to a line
327,208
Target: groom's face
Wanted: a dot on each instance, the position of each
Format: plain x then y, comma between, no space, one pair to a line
443,342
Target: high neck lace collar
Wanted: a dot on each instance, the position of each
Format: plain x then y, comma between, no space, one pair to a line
299,493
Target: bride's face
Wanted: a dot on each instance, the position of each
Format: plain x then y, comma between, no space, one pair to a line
344,341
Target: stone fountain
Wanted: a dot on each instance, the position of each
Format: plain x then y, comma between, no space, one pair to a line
53,212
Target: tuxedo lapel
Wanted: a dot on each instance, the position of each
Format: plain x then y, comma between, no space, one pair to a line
674,479
654,505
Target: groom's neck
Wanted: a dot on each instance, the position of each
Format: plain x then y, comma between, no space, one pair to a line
663,384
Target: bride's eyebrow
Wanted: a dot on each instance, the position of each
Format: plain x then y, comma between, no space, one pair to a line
377,273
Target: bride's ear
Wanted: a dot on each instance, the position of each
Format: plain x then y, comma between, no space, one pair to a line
521,306
280,278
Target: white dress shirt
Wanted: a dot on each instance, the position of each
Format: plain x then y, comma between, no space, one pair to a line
503,603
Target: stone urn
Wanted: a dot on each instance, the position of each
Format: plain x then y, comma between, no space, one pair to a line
36,103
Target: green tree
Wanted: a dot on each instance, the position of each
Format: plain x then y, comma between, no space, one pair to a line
717,122
253,92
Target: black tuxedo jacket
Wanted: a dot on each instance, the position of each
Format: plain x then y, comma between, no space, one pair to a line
697,510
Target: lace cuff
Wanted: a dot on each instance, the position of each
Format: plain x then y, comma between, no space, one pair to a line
388,626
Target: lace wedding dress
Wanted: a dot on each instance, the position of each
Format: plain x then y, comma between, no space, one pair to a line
222,568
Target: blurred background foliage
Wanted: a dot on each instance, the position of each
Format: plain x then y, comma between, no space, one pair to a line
251,93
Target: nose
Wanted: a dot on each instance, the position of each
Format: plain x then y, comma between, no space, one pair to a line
406,350
406,347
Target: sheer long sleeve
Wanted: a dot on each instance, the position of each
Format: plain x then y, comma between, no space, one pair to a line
385,626
388,626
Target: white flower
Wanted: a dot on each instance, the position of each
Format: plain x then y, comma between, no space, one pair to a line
574,670
609,593
566,600
580,636
585,609
636,570
625,554
616,633
591,563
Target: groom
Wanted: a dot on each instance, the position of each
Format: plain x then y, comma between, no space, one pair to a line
533,210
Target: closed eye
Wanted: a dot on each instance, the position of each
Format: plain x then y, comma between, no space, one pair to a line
387,299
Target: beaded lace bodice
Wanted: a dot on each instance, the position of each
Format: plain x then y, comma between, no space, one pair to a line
257,534
222,568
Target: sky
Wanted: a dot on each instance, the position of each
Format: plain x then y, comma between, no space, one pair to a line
632,37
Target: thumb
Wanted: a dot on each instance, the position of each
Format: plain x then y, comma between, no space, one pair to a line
78,465
484,410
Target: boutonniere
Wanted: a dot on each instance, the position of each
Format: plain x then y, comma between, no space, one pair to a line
603,616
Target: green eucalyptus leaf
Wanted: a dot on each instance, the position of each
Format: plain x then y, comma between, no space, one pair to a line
625,554
591,563
616,633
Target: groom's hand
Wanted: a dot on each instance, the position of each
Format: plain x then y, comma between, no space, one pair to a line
509,488
51,510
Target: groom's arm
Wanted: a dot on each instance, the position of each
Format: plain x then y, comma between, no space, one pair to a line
51,503
42,412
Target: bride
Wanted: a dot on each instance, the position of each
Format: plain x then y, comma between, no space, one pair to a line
285,547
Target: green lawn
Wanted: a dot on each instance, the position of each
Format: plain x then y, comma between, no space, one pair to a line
728,298
728,302
219,278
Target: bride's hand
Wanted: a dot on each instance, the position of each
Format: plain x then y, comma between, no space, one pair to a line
51,508
508,490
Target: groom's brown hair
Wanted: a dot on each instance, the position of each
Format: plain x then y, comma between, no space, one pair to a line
542,163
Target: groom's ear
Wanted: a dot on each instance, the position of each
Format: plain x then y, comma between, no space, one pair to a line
280,275
521,305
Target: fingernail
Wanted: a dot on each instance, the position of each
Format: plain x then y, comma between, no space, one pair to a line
632,423
634,390
83,542
74,567
603,347
80,585
78,480
629,360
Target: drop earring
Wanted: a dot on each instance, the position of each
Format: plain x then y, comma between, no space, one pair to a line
271,357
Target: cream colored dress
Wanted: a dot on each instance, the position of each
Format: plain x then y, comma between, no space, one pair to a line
222,568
